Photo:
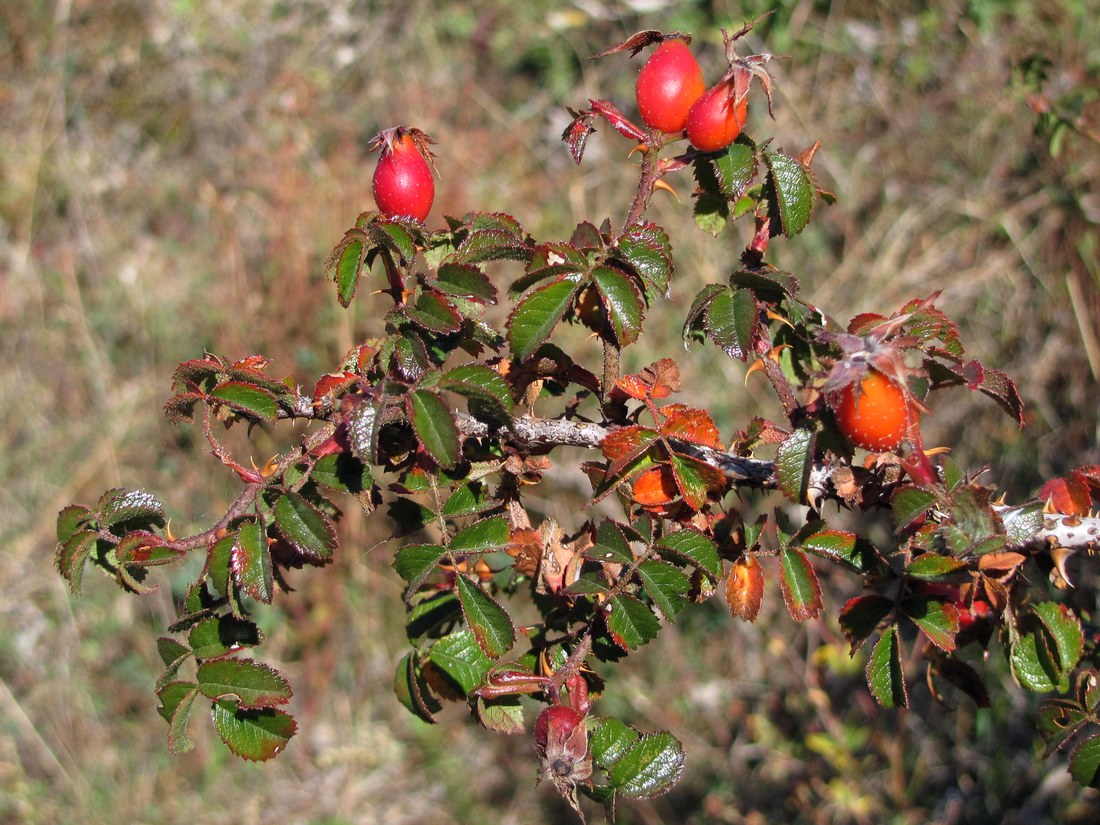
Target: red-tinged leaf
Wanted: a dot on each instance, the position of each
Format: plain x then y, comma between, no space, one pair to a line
433,311
861,616
491,245
534,317
181,407
735,168
145,549
932,567
501,715
885,676
304,527
71,555
691,425
631,622
649,767
836,545
255,735
197,374
364,424
465,281
1069,494
72,519
576,134
793,463
745,588
798,581
131,508
655,487
395,234
250,562
412,690
482,536
255,685
619,122
695,479
490,623
693,547
332,385
938,619
435,427
344,266
622,303
248,399
176,701
909,504
1001,389
646,248
219,636
791,194
624,445
1084,762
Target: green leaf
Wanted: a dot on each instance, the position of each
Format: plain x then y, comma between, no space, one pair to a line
416,562
860,617
71,519
393,234
1047,648
695,548
464,281
250,562
837,546
611,545
694,479
631,622
735,168
798,581
346,270
133,508
219,636
909,504
1065,630
666,585
481,383
649,767
248,399
1060,720
647,249
176,702
461,658
791,193
884,673
534,317
433,311
342,472
932,567
1084,762
171,651
793,463
364,425
608,739
255,735
219,561
412,690
305,528
71,556
623,303
501,715
733,322
939,621
491,245
255,685
481,536
434,426
491,624
694,322
467,499
432,613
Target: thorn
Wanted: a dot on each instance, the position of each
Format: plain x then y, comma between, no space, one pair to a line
641,147
937,451
168,531
660,184
757,366
268,470
592,335
1058,576
1000,502
779,318
1048,507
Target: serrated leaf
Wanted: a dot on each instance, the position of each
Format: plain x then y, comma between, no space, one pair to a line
745,588
735,168
433,311
71,556
791,193
305,528
1084,762
1065,630
412,691
836,545
481,383
481,536
695,479
345,269
933,567
248,399
250,562
255,735
465,281
666,585
491,245
861,616
1021,523
461,658
434,426
647,249
608,739
623,303
176,701
133,507
938,620
71,519
695,548
909,504
631,622
534,317
1059,720
793,463
501,715
219,559
798,581
649,767
884,672
732,321
610,545
170,650
254,684
393,235
342,472
625,444
219,636
416,562
694,322
490,623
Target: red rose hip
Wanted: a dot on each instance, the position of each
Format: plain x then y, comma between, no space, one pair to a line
668,84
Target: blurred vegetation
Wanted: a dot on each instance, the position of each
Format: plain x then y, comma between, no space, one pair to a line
173,172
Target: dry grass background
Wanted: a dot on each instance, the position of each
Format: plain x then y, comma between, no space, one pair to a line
173,171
